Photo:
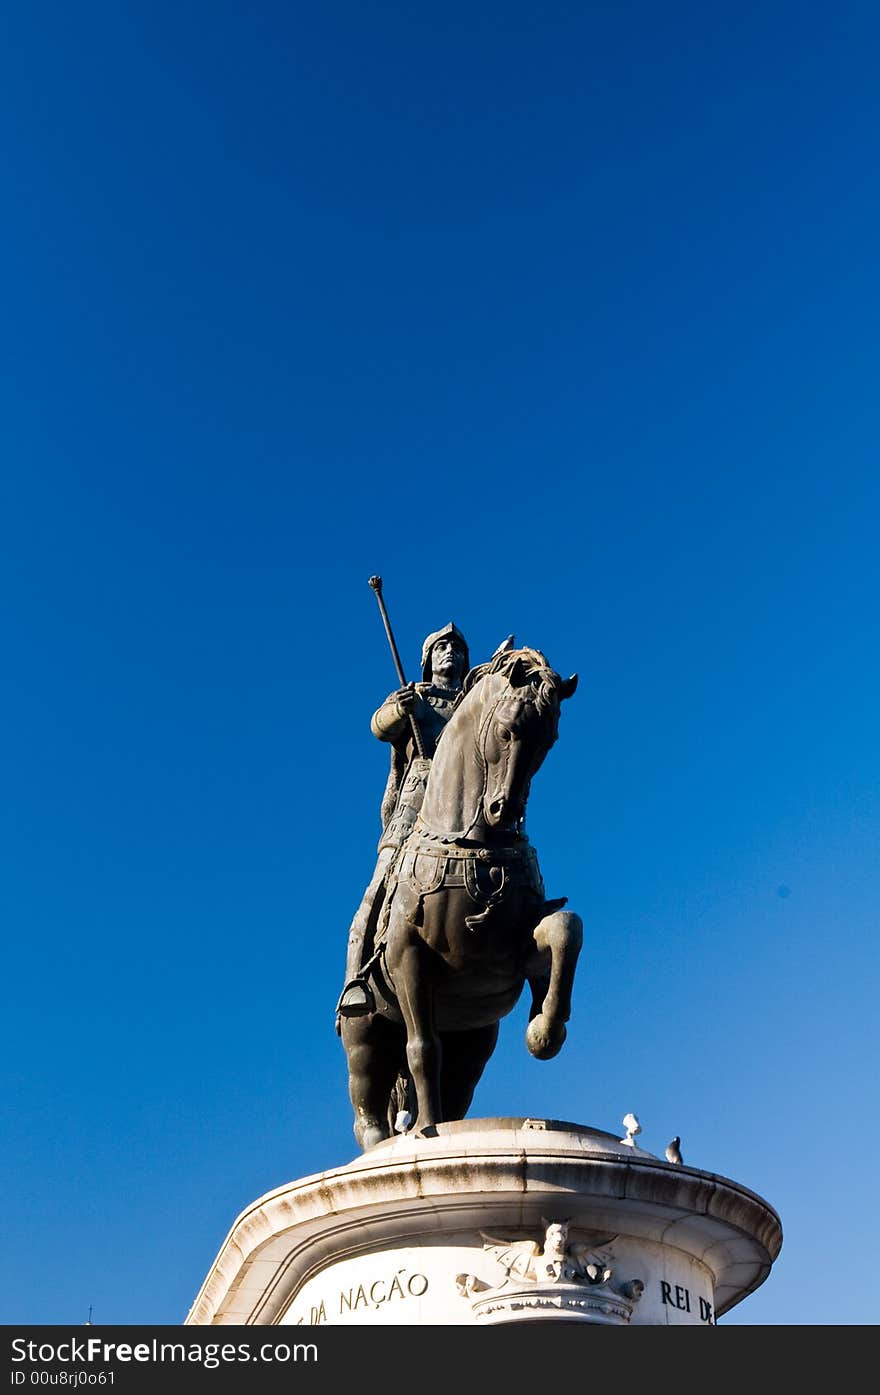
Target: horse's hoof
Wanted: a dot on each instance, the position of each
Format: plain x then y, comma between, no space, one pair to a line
372,1134
544,1038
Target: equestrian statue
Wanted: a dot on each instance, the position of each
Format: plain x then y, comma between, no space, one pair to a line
455,921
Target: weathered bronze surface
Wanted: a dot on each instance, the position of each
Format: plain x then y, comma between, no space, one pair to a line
455,920
411,720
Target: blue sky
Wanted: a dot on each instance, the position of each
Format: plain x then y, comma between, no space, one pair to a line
563,319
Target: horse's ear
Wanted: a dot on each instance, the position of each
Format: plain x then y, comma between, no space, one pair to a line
568,687
518,673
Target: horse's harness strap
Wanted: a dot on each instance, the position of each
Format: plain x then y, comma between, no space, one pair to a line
486,874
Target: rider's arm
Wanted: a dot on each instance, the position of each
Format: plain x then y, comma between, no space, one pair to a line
391,720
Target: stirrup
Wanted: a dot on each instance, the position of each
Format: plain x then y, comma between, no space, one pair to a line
356,999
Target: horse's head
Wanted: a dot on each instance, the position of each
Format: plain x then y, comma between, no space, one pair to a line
504,725
521,723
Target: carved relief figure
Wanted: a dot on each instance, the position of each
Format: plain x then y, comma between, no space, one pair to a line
560,1273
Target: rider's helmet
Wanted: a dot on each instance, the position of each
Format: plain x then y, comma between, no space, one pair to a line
449,631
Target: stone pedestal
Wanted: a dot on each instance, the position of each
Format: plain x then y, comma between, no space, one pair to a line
495,1221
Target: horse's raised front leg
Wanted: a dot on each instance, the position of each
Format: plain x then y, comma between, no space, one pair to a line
374,1050
560,937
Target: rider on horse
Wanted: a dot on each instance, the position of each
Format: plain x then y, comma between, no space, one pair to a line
457,922
445,661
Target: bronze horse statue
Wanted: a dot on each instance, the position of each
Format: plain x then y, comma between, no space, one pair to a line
465,922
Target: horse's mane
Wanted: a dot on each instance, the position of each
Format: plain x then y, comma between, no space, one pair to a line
517,666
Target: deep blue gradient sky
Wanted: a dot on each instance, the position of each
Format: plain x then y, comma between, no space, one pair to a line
564,319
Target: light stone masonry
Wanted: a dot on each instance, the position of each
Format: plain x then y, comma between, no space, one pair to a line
494,1221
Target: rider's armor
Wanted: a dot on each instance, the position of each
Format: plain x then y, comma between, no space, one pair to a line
403,796
408,775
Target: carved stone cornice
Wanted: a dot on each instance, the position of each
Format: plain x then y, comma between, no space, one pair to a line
575,1302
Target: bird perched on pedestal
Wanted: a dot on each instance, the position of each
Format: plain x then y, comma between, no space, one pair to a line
673,1152
632,1126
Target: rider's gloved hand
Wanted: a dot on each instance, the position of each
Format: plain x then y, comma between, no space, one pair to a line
406,699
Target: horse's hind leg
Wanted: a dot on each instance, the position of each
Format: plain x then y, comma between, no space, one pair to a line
558,936
464,1059
374,1048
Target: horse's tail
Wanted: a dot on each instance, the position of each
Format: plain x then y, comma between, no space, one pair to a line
402,1100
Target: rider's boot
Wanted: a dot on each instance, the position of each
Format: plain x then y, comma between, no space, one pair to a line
356,998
